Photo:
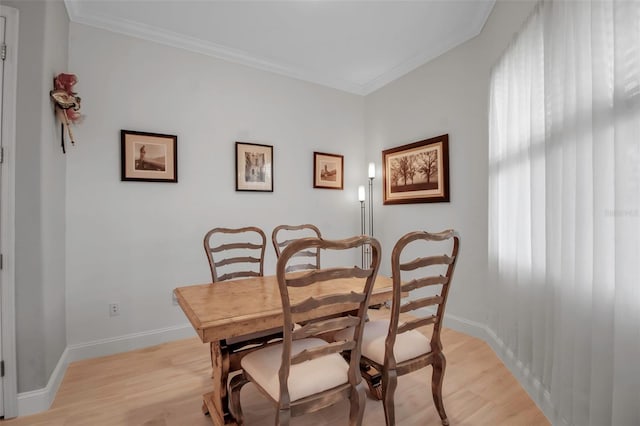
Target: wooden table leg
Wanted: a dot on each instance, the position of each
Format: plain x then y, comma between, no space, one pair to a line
216,403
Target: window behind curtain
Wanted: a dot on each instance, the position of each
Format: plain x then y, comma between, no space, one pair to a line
564,188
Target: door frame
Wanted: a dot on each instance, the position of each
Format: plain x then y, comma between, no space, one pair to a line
7,239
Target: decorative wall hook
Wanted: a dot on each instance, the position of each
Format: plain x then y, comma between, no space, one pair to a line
67,104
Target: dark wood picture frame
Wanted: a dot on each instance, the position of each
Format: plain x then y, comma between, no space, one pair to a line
328,170
254,167
148,157
417,172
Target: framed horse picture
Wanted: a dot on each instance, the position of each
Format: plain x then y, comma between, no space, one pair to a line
254,167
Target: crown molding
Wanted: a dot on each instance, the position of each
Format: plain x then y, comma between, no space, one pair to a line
192,44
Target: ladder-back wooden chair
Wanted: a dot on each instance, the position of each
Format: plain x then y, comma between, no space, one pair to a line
422,267
305,373
236,253
283,235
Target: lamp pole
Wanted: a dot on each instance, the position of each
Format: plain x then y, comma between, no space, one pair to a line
372,175
361,198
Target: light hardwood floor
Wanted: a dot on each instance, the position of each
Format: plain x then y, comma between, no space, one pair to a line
163,385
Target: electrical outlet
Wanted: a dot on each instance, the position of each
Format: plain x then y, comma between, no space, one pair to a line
114,309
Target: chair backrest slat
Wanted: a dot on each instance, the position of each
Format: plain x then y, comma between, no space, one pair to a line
426,261
317,352
313,303
225,247
420,303
306,254
316,328
284,243
283,235
420,322
301,267
232,260
241,274
235,252
328,274
423,282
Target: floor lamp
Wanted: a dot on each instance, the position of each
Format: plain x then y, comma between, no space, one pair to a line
366,252
362,224
372,175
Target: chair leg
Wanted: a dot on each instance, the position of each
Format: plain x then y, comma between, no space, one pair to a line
283,417
235,386
437,379
375,390
356,411
373,379
389,384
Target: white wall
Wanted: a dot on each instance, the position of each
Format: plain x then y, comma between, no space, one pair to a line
53,184
133,242
40,194
447,95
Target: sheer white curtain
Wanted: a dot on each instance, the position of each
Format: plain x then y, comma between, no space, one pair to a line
564,188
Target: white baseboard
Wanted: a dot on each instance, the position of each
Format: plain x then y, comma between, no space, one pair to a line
39,400
463,325
36,401
129,342
531,385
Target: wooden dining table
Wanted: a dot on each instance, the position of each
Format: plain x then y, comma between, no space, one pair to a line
227,309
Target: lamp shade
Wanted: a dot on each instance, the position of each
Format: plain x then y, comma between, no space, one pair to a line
361,193
372,170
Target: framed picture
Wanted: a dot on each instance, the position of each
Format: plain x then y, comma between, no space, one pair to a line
254,167
148,157
417,172
328,170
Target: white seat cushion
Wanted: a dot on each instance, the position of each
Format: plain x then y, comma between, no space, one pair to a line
408,345
305,379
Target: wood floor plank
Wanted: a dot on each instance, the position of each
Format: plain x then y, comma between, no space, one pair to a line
163,386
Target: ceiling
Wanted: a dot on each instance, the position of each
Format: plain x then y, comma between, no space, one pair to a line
354,46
